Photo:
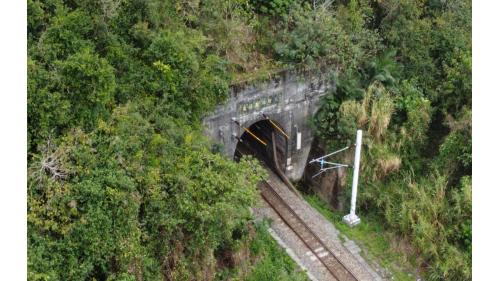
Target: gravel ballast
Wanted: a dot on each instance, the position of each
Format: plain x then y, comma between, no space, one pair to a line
348,252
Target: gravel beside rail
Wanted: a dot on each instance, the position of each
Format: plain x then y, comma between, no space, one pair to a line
348,252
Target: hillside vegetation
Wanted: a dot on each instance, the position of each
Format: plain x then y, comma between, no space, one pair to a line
123,186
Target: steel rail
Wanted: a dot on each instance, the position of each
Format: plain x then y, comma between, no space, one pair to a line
334,266
341,272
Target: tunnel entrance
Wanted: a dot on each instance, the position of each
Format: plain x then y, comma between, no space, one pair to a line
257,140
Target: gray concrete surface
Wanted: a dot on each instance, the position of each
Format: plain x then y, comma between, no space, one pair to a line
289,100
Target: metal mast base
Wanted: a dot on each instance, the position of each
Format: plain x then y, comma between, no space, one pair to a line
351,219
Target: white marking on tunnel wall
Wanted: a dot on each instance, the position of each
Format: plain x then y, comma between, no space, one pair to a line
299,140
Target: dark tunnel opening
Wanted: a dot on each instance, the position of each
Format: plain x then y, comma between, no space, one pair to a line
257,141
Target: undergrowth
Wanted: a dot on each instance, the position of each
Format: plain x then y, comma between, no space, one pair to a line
269,260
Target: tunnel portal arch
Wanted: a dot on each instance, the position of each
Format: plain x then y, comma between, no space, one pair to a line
288,98
257,140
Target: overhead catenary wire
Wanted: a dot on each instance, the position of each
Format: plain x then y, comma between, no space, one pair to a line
330,154
321,160
322,170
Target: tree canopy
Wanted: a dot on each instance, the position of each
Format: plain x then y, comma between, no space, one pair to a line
122,185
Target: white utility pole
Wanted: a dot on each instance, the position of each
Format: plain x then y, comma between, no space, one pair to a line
352,219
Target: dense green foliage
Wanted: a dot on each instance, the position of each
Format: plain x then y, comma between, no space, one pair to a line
389,251
413,100
275,263
109,204
121,183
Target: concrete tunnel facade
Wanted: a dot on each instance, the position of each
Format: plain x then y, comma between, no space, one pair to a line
289,99
258,141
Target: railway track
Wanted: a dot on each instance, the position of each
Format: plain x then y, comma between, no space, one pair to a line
317,248
337,269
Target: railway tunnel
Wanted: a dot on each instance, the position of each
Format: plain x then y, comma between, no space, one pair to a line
253,122
288,97
266,141
263,139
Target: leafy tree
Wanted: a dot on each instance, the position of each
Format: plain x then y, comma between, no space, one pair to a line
186,71
48,110
88,82
121,184
315,35
455,153
124,196
276,8
69,33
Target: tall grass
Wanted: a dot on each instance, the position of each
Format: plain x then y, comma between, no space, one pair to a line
413,195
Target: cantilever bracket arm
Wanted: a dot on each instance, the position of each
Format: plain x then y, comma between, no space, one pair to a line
322,170
328,155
